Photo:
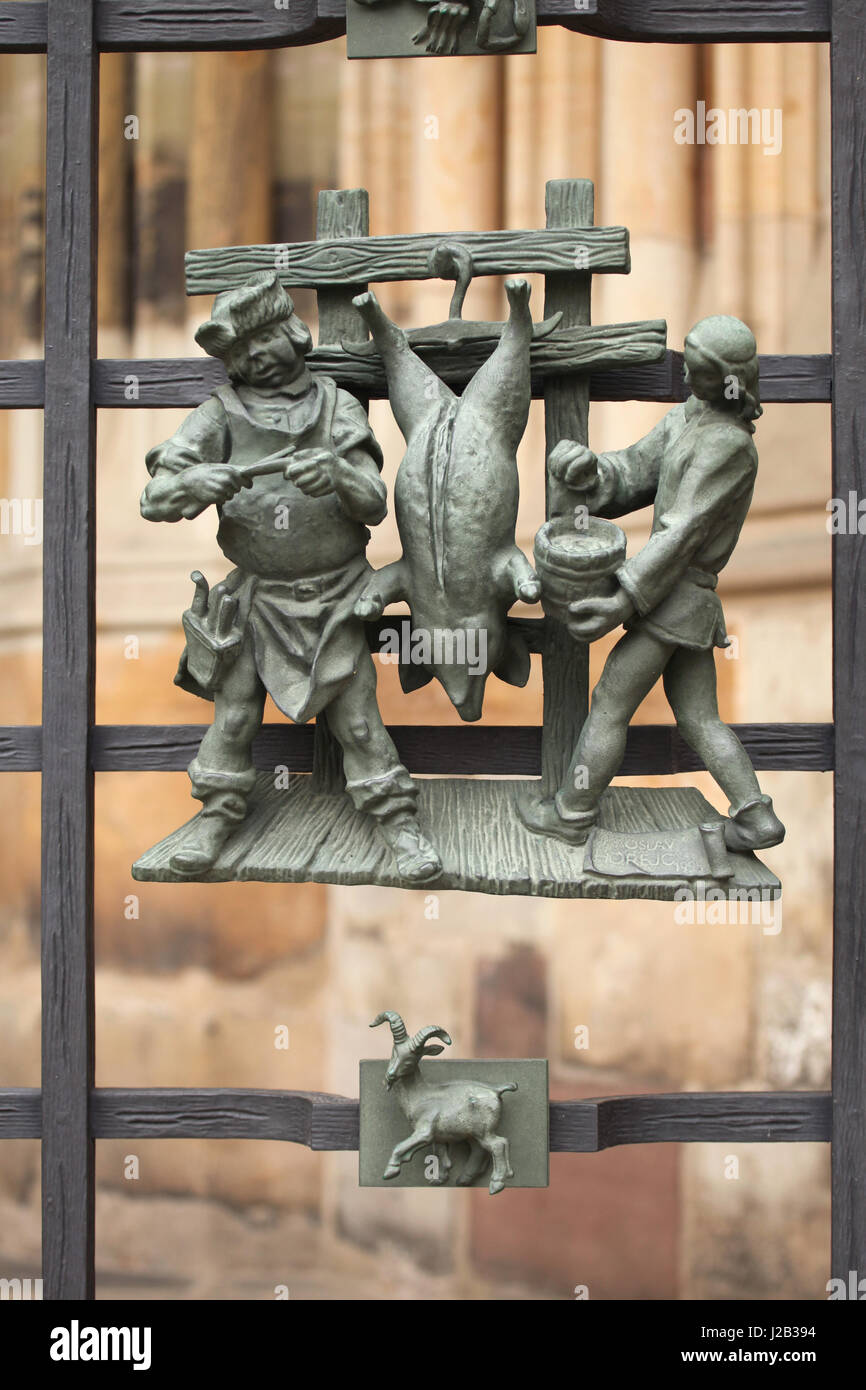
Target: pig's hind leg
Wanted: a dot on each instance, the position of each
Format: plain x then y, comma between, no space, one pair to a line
383,587
518,579
414,390
501,387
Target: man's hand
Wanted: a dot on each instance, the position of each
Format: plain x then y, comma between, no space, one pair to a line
312,470
211,482
573,464
592,618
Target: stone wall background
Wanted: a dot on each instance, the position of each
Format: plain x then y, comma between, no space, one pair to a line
233,148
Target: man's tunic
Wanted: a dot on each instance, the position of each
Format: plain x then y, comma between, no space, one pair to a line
301,560
698,468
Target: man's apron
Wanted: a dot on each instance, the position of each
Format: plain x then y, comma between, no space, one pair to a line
306,641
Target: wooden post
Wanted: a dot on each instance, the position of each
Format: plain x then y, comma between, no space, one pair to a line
848,61
569,203
343,212
68,652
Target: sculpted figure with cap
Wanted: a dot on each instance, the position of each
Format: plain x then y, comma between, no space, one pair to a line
697,470
290,464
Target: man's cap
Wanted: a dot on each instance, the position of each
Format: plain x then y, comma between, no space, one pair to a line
722,340
727,346
237,314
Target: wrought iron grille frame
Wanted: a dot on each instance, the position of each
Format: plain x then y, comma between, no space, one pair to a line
67,1113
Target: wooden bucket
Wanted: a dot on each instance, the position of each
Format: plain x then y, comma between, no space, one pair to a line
577,562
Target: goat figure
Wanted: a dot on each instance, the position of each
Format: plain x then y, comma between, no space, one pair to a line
444,1112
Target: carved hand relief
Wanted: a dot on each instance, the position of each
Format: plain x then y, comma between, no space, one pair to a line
285,454
469,1123
415,28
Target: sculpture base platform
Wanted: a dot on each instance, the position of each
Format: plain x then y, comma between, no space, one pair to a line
298,835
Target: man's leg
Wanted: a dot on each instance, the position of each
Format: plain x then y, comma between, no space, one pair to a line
222,773
690,685
630,672
376,780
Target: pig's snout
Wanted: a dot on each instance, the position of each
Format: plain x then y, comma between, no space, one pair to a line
464,690
469,709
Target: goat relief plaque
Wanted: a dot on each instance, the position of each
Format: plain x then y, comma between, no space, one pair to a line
478,1123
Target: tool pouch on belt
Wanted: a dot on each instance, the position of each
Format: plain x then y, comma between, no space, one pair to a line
213,639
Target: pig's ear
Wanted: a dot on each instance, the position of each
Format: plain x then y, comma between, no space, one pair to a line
515,665
413,677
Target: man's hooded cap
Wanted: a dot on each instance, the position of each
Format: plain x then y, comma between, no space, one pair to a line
727,347
257,304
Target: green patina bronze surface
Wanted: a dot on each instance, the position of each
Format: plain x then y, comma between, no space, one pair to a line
291,465
449,1123
697,469
285,454
415,28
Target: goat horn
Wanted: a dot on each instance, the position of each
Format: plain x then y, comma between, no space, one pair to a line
398,1027
431,1031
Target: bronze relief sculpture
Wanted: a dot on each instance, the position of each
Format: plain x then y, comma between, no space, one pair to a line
697,469
284,452
470,1123
440,28
456,502
443,1113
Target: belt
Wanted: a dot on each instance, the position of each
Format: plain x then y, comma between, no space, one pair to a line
304,589
311,586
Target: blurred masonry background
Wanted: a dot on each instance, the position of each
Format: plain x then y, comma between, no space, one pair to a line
194,981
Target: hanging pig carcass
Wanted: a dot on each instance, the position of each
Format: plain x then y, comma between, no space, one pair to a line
456,500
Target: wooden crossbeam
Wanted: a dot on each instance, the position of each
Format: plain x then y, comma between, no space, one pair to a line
487,750
512,750
324,1122
187,381
692,21
320,264
148,26
563,351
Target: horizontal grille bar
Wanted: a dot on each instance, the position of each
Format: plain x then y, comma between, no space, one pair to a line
177,25
323,1121
491,750
119,383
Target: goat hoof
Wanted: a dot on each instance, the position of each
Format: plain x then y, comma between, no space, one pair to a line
392,1171
496,1185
